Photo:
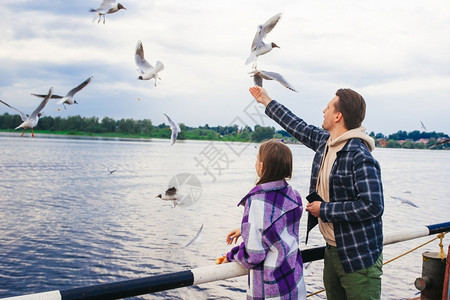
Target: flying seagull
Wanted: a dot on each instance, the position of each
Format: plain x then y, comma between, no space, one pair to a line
68,99
445,141
32,120
307,269
404,201
423,126
107,7
144,67
258,45
259,75
111,171
170,195
174,128
195,237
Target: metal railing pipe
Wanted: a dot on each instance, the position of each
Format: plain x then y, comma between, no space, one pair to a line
152,284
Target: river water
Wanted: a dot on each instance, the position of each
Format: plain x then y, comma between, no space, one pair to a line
66,221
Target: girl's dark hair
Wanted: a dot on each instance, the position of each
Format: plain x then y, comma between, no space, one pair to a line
277,161
352,106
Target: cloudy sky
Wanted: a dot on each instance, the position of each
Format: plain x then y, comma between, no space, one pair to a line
395,53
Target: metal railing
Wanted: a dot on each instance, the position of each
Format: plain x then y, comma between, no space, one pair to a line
152,284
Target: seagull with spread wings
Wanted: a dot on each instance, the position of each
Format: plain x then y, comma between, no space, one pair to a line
144,67
68,99
195,237
423,126
404,201
259,75
170,195
107,7
439,143
258,45
32,120
111,171
174,128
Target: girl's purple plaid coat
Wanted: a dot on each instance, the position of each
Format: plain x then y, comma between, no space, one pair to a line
270,250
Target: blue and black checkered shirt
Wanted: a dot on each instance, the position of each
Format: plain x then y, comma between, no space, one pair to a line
356,193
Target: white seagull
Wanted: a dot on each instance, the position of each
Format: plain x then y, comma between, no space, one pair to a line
107,7
423,126
195,237
404,201
111,171
174,128
170,195
68,99
259,75
144,67
32,120
306,269
442,142
258,45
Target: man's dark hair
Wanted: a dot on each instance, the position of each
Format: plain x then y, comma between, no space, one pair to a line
352,106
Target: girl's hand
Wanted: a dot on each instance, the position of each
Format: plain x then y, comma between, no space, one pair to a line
233,235
221,260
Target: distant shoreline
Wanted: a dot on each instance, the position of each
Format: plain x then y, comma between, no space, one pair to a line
130,137
102,136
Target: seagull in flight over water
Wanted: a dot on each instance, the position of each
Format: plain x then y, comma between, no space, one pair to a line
404,201
259,75
32,120
68,99
195,237
111,171
107,7
144,67
174,128
258,45
442,142
170,195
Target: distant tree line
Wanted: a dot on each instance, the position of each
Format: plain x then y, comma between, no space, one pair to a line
413,135
77,125
411,140
142,128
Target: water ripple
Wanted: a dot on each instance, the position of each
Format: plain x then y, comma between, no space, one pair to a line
64,222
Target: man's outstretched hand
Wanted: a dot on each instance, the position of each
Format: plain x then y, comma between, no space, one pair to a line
260,94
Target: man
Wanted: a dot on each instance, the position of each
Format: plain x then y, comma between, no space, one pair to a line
348,179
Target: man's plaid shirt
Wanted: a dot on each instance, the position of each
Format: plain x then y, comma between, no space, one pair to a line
356,193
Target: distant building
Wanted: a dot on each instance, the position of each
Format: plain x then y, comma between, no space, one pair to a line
382,142
423,141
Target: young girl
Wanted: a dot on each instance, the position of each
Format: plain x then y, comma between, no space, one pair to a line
269,228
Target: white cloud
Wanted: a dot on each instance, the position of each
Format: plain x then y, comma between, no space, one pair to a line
395,55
